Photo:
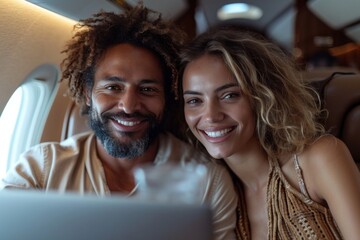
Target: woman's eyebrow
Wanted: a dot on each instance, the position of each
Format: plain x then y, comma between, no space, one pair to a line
229,85
221,88
190,92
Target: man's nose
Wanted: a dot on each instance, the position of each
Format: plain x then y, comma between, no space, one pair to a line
129,101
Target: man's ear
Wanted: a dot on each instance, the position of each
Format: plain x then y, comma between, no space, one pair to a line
87,96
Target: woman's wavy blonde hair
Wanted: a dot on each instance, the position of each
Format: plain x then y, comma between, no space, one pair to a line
286,108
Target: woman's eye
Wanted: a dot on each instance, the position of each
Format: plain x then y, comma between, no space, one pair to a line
192,101
231,95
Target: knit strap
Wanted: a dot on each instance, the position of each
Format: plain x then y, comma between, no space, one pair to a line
300,176
243,225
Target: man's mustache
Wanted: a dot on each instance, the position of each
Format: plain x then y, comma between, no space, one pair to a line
147,117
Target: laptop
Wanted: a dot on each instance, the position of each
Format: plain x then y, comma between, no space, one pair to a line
36,215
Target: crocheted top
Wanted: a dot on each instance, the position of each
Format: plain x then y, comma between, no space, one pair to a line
291,214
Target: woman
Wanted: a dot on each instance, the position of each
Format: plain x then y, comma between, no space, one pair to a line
244,102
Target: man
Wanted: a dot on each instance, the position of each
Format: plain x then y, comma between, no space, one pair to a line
122,69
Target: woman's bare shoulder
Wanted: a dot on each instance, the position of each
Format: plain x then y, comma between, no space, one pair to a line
327,159
325,149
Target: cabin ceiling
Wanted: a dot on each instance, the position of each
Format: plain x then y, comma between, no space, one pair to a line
277,21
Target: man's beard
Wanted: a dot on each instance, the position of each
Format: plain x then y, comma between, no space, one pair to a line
115,147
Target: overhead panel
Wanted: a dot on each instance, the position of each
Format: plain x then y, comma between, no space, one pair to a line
337,14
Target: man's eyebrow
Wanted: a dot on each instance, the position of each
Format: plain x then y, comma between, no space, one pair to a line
114,79
123,80
151,81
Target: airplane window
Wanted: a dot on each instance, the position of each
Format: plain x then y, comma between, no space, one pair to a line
23,119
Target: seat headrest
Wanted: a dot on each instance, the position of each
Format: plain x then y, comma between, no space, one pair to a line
74,121
340,94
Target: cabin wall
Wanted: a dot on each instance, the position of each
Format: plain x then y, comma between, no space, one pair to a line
31,36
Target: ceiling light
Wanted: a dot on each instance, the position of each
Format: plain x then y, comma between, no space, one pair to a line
239,10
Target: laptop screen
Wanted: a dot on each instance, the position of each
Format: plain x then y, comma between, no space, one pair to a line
44,216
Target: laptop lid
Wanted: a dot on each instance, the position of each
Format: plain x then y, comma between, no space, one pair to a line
44,216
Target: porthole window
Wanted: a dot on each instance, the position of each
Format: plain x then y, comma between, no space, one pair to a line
23,119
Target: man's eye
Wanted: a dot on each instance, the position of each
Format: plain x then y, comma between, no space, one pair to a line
148,89
112,87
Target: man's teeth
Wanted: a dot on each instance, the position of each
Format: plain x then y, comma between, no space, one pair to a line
218,133
128,123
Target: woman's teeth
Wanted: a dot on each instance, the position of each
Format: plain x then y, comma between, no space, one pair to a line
218,133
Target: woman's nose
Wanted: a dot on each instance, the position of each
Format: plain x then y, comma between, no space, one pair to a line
213,112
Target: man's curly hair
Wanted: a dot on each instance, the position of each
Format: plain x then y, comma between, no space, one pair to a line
139,26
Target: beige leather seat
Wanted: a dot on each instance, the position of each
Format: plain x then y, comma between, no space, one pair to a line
74,121
340,94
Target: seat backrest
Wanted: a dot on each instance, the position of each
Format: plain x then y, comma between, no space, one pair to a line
340,95
74,122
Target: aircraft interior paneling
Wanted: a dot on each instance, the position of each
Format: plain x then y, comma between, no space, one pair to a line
32,35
